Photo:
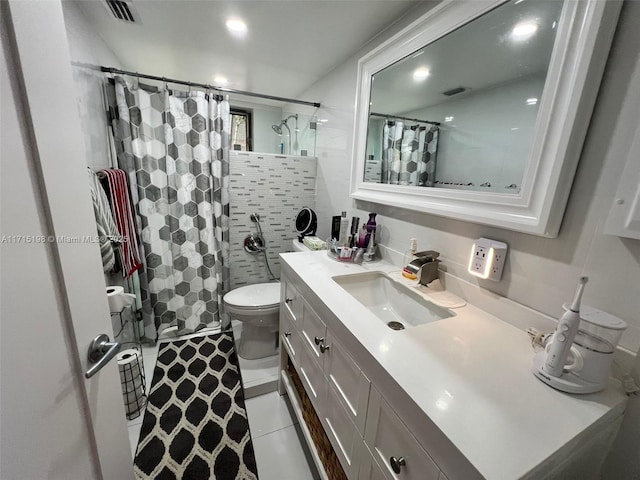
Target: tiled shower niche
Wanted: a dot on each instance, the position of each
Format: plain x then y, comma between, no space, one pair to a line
276,187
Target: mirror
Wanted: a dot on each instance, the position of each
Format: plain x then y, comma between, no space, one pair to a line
441,118
472,111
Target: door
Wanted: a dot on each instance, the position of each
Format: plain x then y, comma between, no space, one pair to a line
55,423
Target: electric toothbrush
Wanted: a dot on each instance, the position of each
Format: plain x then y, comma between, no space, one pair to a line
564,335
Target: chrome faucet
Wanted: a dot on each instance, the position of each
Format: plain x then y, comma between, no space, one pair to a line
425,266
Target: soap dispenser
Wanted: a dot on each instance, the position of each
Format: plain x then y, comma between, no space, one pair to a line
409,256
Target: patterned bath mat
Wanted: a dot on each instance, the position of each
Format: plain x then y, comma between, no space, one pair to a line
195,426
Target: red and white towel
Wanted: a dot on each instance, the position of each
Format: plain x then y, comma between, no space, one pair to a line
123,216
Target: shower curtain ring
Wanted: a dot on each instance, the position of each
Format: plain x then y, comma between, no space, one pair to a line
189,87
164,79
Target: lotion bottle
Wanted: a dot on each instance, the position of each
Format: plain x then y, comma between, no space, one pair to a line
343,239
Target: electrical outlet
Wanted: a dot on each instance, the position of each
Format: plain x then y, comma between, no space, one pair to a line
487,259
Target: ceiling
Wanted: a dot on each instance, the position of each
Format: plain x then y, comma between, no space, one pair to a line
481,54
289,45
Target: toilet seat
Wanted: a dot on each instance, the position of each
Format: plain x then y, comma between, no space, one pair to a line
252,297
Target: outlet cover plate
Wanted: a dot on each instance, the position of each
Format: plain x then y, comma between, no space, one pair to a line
487,259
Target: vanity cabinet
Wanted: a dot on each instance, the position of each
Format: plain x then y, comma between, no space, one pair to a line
335,385
380,404
362,427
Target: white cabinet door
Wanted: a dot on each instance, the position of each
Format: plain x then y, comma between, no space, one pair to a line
313,332
342,433
350,384
393,446
289,336
624,216
312,377
369,469
291,300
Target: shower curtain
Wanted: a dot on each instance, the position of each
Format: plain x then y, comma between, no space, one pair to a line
409,154
175,147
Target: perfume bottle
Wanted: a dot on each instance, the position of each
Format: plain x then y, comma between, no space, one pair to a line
371,229
371,224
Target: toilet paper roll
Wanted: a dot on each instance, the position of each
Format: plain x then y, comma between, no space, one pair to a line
130,368
118,300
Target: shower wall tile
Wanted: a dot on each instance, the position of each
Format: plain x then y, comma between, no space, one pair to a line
276,187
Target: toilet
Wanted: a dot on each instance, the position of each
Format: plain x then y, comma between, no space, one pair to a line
257,306
299,246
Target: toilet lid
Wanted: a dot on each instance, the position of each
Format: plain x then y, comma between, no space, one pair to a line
257,295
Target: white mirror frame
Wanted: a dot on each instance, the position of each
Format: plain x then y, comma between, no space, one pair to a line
580,51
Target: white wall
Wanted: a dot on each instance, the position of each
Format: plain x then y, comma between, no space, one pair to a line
88,51
489,138
540,273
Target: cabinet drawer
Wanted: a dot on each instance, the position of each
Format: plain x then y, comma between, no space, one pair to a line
369,469
351,386
312,377
312,328
342,433
290,336
291,301
387,437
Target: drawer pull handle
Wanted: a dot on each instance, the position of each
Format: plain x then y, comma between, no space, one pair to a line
397,463
288,300
287,334
318,340
323,347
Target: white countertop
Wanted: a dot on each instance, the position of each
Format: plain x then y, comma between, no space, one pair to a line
470,374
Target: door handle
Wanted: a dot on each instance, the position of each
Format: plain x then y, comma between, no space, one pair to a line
101,350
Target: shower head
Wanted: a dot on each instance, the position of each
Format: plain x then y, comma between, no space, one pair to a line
277,129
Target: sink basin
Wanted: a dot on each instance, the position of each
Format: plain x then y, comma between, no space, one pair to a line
391,302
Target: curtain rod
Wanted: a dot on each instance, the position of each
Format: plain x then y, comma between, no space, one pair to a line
404,118
207,86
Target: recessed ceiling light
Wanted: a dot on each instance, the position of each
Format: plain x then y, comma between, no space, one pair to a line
532,101
420,74
236,26
220,80
323,120
524,30
448,119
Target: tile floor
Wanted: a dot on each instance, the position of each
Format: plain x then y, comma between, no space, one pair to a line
281,454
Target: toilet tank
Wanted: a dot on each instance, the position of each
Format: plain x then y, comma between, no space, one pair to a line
298,246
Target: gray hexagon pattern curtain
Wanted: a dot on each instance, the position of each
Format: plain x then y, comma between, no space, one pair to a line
175,147
409,154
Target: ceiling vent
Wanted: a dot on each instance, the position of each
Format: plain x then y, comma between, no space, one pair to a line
123,10
454,91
